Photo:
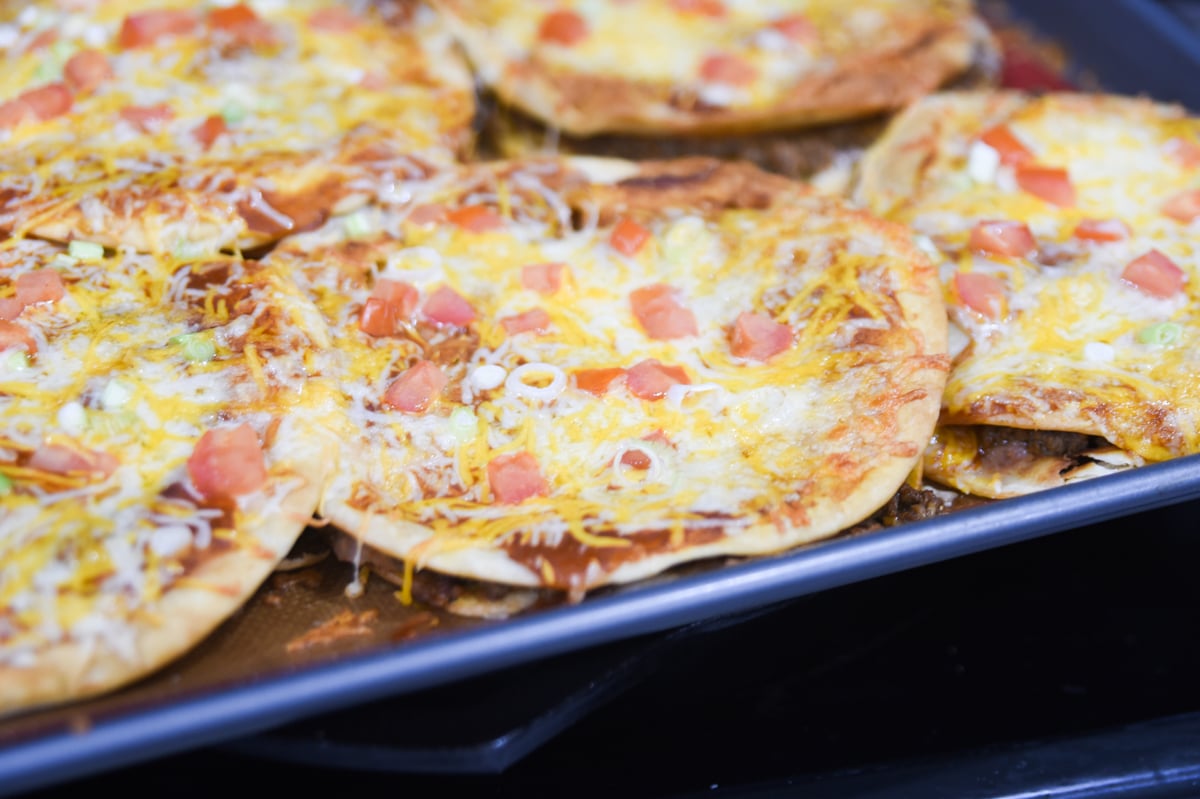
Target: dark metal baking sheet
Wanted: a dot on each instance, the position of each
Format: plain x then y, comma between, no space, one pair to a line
1149,47
140,733
134,726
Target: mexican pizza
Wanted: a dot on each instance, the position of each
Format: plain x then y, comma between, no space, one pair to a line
1066,227
582,372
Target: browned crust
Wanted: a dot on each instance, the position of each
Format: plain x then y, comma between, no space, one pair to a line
702,184
929,53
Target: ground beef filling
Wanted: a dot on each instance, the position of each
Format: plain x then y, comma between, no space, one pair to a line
1006,448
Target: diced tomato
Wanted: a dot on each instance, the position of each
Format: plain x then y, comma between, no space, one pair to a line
148,27
729,69
563,27
1155,274
660,313
1050,183
475,218
1002,237
49,101
704,8
1184,206
86,70
397,292
543,278
10,308
796,27
61,459
240,23
1001,139
515,477
14,336
43,40
379,318
14,112
40,285
650,379
391,303
333,19
211,129
1184,151
597,381
375,80
232,16
757,336
147,118
446,306
627,237
227,462
636,459
1102,230
981,293
534,319
427,214
416,389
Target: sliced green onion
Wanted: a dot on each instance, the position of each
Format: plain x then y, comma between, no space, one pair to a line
189,250
16,361
6,486
233,113
51,67
197,347
85,251
358,225
63,50
47,71
686,241
111,424
463,424
1164,334
116,394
